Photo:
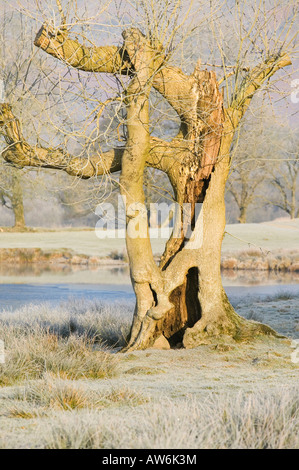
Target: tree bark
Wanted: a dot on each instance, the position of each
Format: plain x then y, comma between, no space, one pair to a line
18,203
243,215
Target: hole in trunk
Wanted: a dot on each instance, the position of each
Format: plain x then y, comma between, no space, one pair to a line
192,302
186,311
154,296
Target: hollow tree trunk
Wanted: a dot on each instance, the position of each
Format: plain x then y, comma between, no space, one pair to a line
200,307
189,278
217,314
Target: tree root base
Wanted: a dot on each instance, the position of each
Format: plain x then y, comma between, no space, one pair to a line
221,322
240,331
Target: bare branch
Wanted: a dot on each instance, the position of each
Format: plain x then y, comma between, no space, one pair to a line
255,79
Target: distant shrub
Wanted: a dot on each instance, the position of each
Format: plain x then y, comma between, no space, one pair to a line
117,255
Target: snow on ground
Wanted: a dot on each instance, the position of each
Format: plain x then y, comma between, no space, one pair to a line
275,235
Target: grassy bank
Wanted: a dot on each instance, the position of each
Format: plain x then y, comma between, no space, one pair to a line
280,261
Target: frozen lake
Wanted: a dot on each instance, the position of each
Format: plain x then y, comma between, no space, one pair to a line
20,286
270,298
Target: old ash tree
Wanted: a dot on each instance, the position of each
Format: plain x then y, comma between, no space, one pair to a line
182,299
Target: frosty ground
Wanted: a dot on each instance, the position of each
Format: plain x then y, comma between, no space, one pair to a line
64,386
265,236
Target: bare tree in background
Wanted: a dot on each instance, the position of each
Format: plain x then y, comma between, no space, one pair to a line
22,73
13,69
12,198
182,299
285,182
283,175
29,85
247,172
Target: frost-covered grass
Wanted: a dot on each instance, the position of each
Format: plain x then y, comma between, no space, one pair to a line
263,420
96,320
256,421
70,341
274,235
39,398
282,295
280,310
62,387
